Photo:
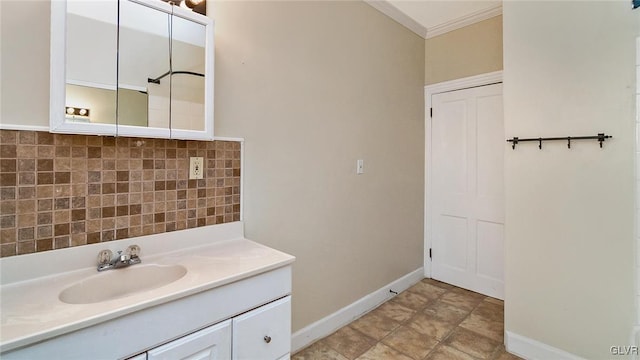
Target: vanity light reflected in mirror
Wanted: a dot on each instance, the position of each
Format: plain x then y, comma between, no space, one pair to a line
192,3
77,111
199,6
78,114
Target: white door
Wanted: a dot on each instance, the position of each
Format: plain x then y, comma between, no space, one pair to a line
467,191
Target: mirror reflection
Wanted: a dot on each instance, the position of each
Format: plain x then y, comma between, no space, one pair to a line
144,53
91,60
148,71
187,78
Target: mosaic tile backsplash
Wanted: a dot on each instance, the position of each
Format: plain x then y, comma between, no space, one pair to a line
58,191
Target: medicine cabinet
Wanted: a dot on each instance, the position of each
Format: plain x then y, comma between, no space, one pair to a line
141,68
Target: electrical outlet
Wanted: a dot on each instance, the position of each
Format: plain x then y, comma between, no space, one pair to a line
196,167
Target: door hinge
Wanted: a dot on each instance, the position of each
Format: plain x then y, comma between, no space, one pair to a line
430,254
430,112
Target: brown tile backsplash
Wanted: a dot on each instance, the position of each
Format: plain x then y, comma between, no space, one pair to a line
61,190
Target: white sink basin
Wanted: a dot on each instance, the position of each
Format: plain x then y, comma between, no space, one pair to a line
118,283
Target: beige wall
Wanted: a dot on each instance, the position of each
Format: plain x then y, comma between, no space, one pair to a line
314,86
472,50
569,69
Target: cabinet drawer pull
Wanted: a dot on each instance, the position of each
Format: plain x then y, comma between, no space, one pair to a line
267,339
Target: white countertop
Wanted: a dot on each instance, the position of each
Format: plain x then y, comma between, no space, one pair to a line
31,310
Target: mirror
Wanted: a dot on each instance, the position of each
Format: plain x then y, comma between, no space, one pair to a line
144,53
131,68
187,78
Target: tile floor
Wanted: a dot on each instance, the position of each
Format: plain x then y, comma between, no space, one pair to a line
429,321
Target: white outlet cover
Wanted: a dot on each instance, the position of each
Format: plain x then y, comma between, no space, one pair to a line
196,168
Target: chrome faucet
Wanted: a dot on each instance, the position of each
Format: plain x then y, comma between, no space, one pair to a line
107,261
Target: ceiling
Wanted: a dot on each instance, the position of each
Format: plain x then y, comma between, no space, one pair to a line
429,18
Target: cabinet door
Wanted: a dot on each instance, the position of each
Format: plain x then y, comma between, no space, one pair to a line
188,80
263,333
84,67
144,57
212,343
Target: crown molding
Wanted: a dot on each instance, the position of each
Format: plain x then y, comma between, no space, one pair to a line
403,19
461,22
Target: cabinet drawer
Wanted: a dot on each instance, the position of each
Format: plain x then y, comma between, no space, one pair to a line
209,343
263,333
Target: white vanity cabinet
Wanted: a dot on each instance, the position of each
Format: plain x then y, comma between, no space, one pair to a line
227,322
263,333
212,343
233,302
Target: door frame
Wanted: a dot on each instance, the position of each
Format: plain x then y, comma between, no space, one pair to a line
429,91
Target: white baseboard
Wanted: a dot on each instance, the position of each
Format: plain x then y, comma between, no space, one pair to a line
534,350
342,317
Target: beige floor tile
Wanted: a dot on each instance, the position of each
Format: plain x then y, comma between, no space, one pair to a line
494,301
431,326
318,351
410,342
437,283
446,312
383,352
469,293
490,311
483,326
375,325
411,300
502,354
461,300
395,311
472,343
427,290
443,352
507,356
432,318
349,342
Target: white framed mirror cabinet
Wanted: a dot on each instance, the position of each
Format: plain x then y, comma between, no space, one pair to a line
141,68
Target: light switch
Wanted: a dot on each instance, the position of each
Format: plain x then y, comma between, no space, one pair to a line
360,167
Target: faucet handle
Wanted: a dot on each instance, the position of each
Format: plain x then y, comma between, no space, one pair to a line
105,256
133,250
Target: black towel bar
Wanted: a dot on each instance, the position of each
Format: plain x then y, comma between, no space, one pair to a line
601,137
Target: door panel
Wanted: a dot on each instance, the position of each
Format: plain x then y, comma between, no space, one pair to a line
453,131
454,230
490,146
490,250
467,191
